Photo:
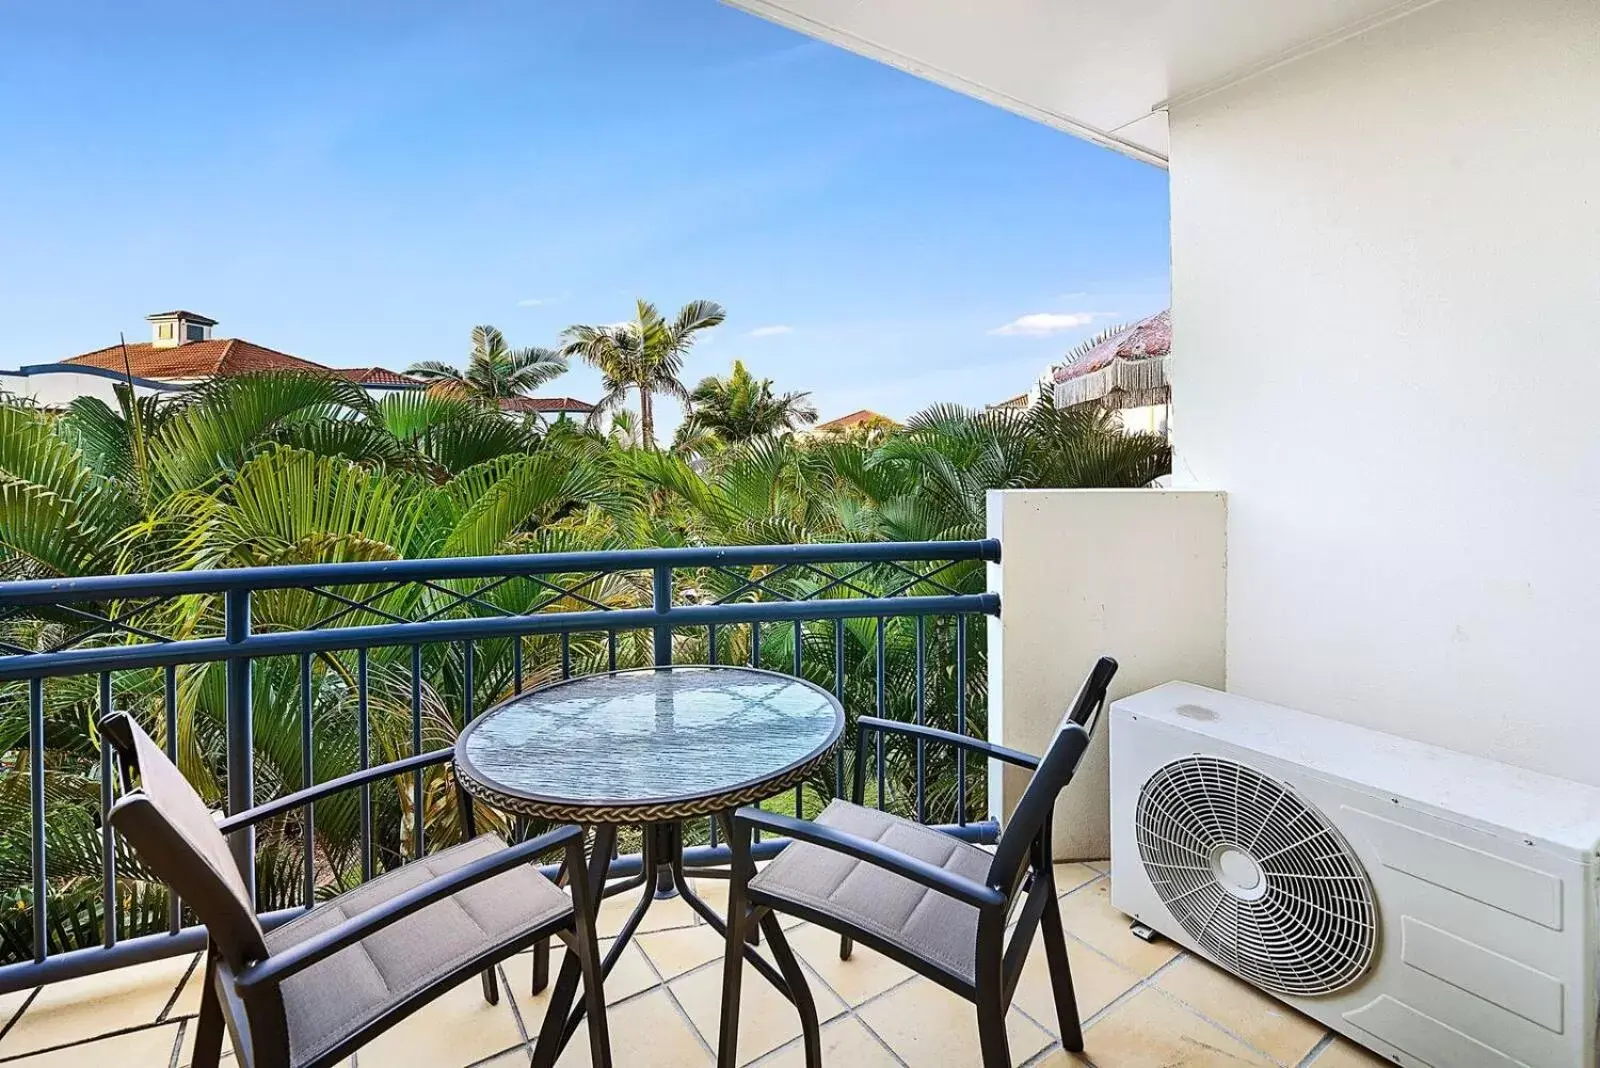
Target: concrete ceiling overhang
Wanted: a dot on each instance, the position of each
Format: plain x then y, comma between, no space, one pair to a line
1104,70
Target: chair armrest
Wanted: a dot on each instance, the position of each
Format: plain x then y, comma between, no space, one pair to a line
280,966
874,853
300,798
960,741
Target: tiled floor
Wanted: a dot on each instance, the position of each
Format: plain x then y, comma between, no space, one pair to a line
1146,1006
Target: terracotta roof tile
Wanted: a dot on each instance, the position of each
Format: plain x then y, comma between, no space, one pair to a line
855,419
545,404
196,359
378,376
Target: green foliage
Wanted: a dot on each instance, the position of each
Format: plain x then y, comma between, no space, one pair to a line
279,469
644,356
494,369
737,409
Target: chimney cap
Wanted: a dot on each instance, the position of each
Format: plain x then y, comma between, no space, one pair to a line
186,316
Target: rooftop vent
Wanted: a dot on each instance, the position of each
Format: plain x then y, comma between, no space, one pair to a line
171,328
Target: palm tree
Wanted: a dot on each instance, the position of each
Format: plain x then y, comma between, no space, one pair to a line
494,369
738,408
646,355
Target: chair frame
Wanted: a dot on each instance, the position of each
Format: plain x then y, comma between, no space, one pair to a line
253,990
1022,864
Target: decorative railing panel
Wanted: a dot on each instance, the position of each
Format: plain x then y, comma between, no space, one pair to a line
263,681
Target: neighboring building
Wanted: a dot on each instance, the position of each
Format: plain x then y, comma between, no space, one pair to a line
549,407
863,420
182,353
1021,402
1126,370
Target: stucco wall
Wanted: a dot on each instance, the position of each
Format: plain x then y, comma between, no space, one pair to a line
1386,275
1134,574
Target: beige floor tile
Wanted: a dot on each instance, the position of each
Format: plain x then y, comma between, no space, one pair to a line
1267,1024
1088,914
614,911
10,1004
682,949
188,1000
148,1048
845,1044
766,1019
1098,865
929,1027
458,1028
1096,982
865,975
630,976
1070,875
1343,1053
646,1030
186,1047
79,1009
1150,1030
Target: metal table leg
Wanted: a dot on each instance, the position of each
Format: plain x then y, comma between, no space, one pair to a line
661,863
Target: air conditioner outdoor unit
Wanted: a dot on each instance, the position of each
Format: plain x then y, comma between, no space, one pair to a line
1437,908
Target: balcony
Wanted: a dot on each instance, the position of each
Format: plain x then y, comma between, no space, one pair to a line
276,675
1144,1005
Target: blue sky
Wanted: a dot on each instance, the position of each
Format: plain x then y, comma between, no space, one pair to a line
360,183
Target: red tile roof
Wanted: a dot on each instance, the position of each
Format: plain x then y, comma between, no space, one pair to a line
195,359
545,404
864,417
379,376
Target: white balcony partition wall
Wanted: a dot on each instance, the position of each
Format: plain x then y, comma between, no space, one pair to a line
1386,277
1139,575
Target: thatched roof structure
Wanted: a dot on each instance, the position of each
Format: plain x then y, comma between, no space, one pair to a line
1125,367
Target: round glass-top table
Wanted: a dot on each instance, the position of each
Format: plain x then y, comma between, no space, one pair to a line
649,745
653,746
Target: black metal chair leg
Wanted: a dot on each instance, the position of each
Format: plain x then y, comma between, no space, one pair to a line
1055,951
992,1041
541,966
732,976
753,931
553,1033
491,987
541,948
846,944
548,1047
586,948
810,1026
208,1028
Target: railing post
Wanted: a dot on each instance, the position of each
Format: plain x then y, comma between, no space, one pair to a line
240,746
662,603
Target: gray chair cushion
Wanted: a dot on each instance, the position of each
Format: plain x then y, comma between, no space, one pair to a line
920,921
337,996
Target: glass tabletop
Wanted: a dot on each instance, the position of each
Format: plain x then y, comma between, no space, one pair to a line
706,736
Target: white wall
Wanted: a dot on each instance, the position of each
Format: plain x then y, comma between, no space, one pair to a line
1386,270
59,389
1138,575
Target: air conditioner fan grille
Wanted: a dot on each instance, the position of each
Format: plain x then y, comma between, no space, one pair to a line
1256,876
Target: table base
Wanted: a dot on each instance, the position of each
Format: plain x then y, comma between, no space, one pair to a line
661,875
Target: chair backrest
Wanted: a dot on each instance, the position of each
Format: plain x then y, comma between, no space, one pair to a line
175,834
1055,770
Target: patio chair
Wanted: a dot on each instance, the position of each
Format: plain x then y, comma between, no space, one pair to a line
921,897
310,992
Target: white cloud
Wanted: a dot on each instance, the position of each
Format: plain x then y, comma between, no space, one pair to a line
771,331
1043,324
540,302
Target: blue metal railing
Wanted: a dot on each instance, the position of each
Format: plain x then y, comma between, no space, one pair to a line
433,642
